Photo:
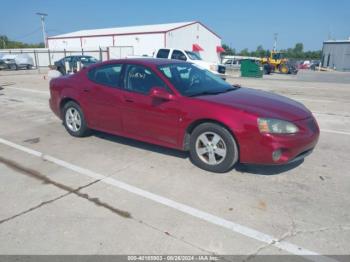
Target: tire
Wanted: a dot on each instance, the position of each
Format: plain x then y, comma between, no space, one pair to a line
267,69
74,120
283,69
210,157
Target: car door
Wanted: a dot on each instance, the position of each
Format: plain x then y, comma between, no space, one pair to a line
145,117
103,97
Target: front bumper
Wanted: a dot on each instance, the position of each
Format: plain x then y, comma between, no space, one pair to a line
222,76
290,148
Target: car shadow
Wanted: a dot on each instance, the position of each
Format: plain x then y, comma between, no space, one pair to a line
266,170
141,145
242,168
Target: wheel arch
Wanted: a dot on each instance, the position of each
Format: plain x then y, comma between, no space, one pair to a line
64,101
194,124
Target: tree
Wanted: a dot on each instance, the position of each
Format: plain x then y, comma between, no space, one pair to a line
299,48
5,43
228,50
297,52
244,52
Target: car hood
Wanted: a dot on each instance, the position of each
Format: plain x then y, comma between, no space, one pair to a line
262,104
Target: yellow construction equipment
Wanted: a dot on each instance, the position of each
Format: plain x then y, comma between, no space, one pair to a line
277,61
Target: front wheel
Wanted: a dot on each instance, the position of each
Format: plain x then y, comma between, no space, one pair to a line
213,148
74,120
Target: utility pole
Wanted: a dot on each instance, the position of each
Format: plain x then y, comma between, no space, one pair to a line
42,18
275,35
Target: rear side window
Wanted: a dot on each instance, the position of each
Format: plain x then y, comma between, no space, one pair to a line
108,75
163,53
67,59
178,55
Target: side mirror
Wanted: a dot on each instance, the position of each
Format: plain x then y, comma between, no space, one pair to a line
161,93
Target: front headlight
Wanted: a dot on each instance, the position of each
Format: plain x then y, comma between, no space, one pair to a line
276,126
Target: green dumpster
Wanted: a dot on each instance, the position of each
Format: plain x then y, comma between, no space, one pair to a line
251,68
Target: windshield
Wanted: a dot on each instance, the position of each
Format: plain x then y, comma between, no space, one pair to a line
190,80
88,59
277,56
193,55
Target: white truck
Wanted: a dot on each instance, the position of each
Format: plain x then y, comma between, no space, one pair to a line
191,57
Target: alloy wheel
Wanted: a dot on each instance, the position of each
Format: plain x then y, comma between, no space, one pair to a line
73,119
211,148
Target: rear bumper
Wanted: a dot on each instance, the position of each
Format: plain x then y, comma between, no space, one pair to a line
54,108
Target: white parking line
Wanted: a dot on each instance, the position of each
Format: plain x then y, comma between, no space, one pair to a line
234,227
335,132
27,90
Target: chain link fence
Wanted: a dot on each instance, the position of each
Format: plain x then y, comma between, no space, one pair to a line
44,57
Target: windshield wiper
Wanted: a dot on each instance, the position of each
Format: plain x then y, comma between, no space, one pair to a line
204,93
214,92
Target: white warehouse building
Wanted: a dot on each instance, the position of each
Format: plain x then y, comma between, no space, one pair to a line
143,40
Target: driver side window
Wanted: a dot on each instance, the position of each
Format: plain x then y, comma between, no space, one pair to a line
141,79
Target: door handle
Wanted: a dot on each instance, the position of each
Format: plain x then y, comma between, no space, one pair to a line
86,90
129,100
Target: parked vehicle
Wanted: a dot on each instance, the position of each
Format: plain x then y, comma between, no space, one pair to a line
315,64
3,65
16,61
277,62
233,64
292,67
73,63
304,64
191,57
180,105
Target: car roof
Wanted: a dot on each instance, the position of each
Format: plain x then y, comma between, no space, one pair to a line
77,56
143,61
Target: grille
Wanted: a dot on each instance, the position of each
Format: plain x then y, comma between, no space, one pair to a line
221,69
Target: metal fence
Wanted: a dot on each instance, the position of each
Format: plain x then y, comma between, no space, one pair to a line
44,57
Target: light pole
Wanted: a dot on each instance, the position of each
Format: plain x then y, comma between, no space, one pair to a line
275,36
42,18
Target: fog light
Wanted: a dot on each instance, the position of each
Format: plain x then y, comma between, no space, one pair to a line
276,155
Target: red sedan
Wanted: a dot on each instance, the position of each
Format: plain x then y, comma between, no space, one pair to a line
179,105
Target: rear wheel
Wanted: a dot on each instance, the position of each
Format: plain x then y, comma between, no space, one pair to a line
13,67
74,120
267,69
213,148
283,69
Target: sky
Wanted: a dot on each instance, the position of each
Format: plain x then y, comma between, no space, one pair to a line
241,24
